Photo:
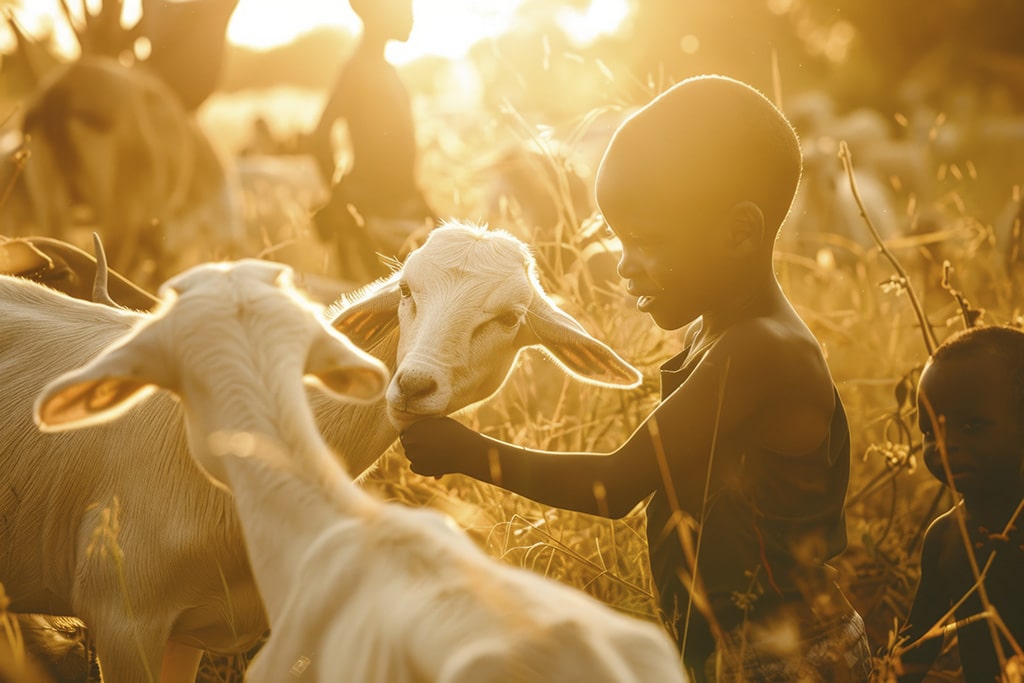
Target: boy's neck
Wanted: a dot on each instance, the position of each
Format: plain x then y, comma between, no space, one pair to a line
993,508
372,43
761,297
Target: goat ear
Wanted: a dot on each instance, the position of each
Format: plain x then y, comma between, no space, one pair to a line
345,371
580,354
101,390
370,319
18,257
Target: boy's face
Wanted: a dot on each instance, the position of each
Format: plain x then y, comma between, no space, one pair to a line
983,422
676,265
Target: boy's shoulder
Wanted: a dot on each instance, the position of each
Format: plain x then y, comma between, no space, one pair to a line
773,386
778,347
942,539
941,527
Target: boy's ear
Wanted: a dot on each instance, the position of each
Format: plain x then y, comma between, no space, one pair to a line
746,227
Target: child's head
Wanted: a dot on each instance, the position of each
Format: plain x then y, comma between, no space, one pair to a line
974,383
389,19
708,160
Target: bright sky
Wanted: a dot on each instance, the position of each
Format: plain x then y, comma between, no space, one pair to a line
444,28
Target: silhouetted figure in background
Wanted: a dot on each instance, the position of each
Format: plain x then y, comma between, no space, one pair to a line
187,40
376,205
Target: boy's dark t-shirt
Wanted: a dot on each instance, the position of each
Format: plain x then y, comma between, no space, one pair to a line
770,523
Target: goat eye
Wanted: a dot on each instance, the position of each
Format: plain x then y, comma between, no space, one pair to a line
508,319
404,290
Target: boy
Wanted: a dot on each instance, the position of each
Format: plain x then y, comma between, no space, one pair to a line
750,438
971,412
381,184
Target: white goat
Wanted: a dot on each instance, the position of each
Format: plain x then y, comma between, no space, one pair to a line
453,318
355,588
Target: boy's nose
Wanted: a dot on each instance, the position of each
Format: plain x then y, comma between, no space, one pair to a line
627,267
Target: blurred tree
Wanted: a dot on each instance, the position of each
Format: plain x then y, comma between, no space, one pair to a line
909,52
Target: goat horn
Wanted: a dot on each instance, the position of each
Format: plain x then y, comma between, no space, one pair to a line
100,293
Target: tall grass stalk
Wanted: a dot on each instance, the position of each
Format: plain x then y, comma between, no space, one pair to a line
104,541
904,279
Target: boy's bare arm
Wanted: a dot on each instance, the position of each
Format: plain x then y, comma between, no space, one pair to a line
738,384
930,604
335,107
440,445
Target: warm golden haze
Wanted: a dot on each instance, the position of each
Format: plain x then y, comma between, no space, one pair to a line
444,28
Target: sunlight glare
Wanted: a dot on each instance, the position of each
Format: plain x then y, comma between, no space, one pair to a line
266,24
600,18
449,28
442,28
40,19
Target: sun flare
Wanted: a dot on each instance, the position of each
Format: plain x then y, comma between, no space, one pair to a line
443,28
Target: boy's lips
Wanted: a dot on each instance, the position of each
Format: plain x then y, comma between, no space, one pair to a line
644,302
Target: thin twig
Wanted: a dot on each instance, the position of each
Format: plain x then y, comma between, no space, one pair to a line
904,280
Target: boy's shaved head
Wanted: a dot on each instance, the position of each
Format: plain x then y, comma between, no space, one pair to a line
707,142
1002,341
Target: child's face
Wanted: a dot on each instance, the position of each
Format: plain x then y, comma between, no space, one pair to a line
983,425
677,268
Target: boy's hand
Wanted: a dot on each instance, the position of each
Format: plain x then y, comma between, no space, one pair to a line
440,445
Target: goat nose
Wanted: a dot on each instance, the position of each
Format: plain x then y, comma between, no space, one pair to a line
416,384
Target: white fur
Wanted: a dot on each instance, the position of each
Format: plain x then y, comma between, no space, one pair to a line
355,588
183,561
